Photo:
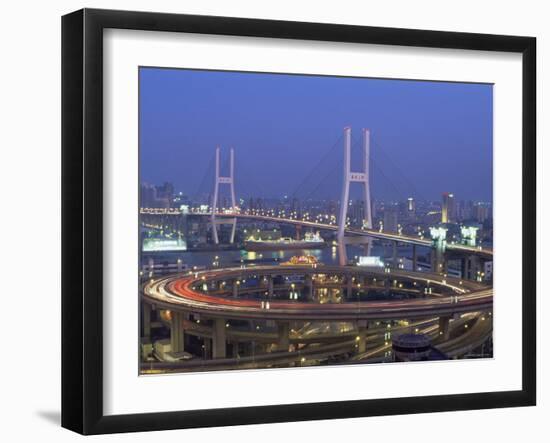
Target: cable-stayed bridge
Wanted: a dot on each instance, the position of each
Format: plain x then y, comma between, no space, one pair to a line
351,173
212,304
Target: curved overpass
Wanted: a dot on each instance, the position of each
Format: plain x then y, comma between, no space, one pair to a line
375,350
179,293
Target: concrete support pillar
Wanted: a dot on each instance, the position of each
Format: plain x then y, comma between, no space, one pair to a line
235,288
218,338
361,336
308,286
463,267
367,247
349,286
180,265
438,261
283,341
233,230
414,259
394,254
176,332
469,269
146,319
342,253
207,348
234,349
444,331
270,286
387,285
473,266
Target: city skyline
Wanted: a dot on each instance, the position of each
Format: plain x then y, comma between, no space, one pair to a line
178,121
293,221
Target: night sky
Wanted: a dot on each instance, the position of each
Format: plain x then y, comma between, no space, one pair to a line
426,137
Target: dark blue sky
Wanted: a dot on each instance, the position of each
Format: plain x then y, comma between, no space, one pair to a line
427,137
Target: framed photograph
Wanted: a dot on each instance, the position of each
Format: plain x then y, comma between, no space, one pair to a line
268,221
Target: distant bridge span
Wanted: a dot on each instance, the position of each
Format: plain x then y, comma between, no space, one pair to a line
372,233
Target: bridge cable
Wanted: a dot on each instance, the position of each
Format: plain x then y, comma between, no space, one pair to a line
337,165
206,176
409,183
375,165
313,173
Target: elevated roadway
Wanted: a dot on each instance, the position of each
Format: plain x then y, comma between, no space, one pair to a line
181,293
372,233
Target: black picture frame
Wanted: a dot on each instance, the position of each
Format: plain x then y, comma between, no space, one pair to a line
82,218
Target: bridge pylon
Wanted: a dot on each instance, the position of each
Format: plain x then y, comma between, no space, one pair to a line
362,177
224,180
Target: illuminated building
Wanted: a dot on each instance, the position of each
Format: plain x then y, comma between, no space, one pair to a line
448,208
357,213
390,219
468,234
439,243
482,212
152,196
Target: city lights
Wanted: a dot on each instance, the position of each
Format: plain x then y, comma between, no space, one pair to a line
252,257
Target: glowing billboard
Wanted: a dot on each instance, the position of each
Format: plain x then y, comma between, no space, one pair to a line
163,244
370,261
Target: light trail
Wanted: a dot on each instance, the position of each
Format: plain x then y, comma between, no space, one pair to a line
178,292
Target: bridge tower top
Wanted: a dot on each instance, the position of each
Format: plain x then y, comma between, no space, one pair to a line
224,180
363,178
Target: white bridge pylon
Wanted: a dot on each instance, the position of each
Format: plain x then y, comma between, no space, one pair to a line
362,177
221,180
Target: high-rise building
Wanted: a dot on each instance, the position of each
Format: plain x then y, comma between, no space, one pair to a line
152,196
482,211
390,218
448,208
411,209
357,213
166,190
468,213
148,196
295,206
460,205
165,194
